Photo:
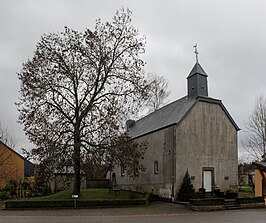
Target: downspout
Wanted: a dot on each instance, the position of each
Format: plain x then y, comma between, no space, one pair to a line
174,162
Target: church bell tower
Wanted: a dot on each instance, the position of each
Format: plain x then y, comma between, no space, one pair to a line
197,80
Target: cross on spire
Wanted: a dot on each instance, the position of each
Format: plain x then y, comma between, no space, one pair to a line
196,53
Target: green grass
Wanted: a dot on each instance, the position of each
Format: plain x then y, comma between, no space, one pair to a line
93,194
245,191
246,194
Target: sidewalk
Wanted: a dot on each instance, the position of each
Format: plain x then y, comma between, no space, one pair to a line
155,208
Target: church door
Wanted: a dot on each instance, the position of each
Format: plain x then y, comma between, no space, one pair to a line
207,180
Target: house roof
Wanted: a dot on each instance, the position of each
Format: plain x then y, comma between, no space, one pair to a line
11,150
261,165
174,112
28,166
171,114
165,116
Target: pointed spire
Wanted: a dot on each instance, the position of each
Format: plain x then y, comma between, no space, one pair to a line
197,69
197,79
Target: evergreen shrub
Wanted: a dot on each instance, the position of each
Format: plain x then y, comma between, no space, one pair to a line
187,190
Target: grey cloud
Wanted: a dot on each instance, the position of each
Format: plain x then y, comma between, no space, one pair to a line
230,34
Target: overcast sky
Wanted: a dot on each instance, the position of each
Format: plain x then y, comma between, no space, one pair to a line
230,34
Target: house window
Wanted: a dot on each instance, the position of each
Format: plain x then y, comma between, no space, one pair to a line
156,167
122,171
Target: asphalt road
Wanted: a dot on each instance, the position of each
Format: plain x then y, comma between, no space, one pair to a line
158,212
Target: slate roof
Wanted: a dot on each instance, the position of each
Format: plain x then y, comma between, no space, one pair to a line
170,114
167,115
197,69
28,168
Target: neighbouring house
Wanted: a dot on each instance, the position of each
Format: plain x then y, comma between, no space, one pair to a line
13,166
64,179
260,178
194,133
28,168
246,175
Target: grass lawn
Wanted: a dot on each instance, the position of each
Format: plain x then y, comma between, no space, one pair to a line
246,192
93,194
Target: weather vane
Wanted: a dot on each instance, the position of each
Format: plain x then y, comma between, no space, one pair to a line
196,53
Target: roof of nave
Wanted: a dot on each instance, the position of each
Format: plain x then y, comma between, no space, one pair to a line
171,114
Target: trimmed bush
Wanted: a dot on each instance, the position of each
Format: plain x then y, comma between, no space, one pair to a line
230,195
95,203
3,195
207,201
69,203
38,203
249,200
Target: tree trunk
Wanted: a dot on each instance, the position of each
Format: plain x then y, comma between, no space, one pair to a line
76,161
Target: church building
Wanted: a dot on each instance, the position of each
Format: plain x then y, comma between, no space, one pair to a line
194,133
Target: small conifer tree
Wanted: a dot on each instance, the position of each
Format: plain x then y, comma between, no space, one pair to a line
187,190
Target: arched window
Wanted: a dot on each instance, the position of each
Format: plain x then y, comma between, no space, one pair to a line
122,170
156,167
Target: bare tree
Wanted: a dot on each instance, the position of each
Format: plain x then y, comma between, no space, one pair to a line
158,92
6,160
9,140
118,154
255,142
6,136
77,89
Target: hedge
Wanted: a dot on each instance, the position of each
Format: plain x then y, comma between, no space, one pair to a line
207,201
249,200
38,203
69,203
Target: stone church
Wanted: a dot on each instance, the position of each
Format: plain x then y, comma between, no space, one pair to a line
194,133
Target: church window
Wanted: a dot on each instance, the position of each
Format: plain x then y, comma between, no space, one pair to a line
156,167
122,171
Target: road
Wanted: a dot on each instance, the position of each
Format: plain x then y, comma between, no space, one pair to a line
160,212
